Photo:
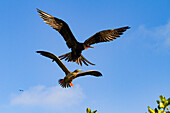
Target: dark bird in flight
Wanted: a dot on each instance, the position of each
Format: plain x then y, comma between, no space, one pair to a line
21,90
77,47
67,81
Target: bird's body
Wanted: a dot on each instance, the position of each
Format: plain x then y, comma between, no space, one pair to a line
67,81
21,90
77,47
76,51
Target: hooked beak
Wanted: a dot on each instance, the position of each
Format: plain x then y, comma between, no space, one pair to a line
91,47
88,47
80,70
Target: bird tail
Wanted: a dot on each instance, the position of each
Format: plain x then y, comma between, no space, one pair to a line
63,83
68,57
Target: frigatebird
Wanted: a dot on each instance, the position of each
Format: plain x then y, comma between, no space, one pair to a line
77,47
67,81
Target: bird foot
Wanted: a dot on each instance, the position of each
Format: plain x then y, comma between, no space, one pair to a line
71,84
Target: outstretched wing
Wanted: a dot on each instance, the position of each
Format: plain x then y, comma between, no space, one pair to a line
56,59
106,35
59,25
93,73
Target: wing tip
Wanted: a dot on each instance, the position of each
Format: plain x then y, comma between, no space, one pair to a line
99,74
41,52
38,10
38,51
127,27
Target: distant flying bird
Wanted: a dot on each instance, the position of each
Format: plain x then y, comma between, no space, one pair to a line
21,90
77,47
67,81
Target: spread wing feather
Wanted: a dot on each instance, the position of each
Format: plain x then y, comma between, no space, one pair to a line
93,73
106,35
56,59
59,25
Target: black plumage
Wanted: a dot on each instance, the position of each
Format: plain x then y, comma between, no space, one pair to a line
75,46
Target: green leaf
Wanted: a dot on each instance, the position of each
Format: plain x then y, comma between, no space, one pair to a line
151,110
158,101
156,110
168,101
88,110
94,111
160,111
166,104
163,99
161,105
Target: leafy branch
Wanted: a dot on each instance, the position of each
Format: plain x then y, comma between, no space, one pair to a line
89,111
162,106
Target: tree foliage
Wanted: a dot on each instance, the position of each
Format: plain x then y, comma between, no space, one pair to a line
162,106
89,111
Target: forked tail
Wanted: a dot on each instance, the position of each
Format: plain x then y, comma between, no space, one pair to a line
81,59
63,84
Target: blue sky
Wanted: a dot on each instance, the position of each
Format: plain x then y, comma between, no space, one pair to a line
135,67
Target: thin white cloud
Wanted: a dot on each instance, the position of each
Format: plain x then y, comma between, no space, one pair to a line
53,97
166,33
160,34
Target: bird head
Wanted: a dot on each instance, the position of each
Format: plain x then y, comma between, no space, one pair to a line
86,46
78,70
